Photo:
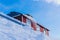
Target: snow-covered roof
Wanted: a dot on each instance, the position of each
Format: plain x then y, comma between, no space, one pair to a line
29,17
15,14
43,27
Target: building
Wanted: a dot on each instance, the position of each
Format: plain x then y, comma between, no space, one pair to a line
17,26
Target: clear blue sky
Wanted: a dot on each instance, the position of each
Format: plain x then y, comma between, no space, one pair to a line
46,12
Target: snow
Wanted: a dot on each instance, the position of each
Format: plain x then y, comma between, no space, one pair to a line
12,29
31,18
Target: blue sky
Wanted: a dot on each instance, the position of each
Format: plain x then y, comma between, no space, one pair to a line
46,12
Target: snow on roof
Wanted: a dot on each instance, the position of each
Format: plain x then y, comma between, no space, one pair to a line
14,14
43,27
29,17
34,21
